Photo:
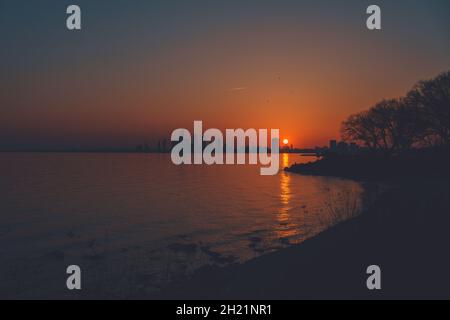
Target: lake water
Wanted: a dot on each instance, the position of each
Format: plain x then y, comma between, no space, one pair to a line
135,222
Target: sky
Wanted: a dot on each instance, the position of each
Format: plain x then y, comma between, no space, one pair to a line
140,69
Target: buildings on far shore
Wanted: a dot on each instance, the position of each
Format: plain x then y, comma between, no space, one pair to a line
343,148
334,147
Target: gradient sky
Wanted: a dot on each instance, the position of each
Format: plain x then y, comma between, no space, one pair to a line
140,69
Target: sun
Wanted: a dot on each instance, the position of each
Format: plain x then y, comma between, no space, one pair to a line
285,142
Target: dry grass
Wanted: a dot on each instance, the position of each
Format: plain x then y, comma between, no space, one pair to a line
341,206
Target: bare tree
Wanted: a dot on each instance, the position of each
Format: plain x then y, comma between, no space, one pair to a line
432,98
389,126
359,128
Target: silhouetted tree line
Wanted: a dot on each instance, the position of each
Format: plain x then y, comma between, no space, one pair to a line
420,119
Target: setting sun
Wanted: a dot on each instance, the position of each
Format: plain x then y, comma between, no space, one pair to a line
285,141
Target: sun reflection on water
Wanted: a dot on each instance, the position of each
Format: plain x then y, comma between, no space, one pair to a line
286,227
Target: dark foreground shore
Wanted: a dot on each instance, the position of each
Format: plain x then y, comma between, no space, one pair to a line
422,165
405,232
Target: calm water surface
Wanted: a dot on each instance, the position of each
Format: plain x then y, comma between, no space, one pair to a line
136,222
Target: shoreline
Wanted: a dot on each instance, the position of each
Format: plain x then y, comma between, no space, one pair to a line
424,164
333,264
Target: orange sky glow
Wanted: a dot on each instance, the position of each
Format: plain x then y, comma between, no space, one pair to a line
302,71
